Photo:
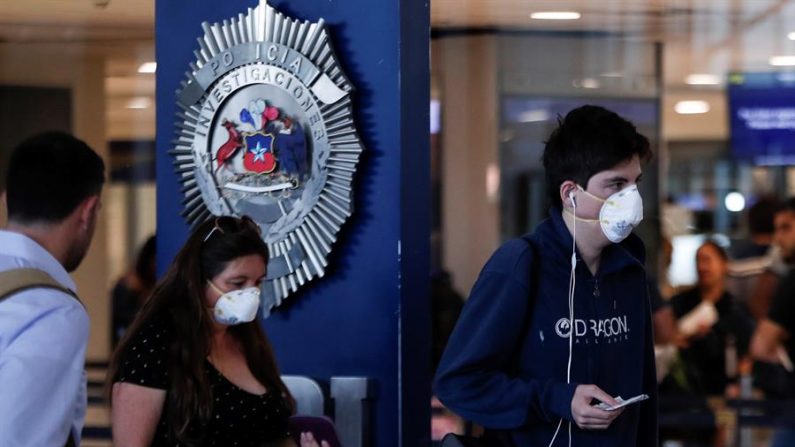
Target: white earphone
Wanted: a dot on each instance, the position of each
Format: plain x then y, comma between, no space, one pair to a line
572,286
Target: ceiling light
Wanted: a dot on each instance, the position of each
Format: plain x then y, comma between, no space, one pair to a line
533,116
590,83
782,61
555,15
702,79
791,36
612,74
691,107
140,102
147,67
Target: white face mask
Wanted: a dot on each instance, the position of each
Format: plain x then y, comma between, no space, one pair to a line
237,306
620,213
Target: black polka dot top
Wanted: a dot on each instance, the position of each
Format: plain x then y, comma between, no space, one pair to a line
238,418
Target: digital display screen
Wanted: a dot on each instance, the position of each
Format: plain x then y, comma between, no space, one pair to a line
762,117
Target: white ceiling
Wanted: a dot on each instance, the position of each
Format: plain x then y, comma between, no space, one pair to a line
700,36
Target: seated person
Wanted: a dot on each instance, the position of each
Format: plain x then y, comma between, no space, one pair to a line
195,367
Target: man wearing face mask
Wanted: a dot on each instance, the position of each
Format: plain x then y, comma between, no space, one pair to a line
559,320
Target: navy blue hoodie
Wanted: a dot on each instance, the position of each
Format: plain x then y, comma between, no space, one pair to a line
505,364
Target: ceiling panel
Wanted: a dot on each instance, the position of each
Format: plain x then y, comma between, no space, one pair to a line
82,12
699,36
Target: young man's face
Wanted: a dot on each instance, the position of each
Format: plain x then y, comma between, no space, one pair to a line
784,235
606,183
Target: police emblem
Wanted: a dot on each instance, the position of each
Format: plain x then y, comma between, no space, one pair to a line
265,129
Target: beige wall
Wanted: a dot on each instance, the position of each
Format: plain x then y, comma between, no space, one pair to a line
710,126
83,72
469,128
131,218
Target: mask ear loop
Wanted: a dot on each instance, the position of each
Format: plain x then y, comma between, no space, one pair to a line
572,287
214,287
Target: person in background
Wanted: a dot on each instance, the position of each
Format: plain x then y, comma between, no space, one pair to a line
754,266
446,305
712,336
195,367
660,292
560,319
760,229
52,195
729,327
132,289
772,343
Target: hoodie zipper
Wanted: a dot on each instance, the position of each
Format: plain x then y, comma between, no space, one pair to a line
596,287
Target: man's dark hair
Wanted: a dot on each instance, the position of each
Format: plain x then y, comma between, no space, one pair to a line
760,216
49,175
786,205
588,140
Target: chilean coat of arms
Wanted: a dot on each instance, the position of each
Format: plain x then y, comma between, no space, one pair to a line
265,129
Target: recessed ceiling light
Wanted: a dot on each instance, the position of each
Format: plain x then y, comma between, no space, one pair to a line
590,83
140,102
702,79
147,67
534,116
555,15
691,107
791,36
782,61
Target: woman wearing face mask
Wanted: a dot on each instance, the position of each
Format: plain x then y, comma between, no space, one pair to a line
195,367
559,320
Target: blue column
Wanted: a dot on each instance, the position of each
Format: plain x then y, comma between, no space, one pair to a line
370,315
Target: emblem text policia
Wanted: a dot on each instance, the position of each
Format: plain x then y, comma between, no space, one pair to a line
265,129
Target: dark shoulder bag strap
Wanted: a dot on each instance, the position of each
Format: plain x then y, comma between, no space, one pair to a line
17,280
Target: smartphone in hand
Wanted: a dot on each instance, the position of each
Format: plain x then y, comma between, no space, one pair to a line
621,402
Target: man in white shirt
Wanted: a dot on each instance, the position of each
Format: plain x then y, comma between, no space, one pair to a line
52,194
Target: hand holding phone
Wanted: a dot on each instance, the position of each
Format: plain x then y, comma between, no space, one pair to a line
621,402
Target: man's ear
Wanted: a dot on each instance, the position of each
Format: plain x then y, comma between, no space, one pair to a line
87,210
566,188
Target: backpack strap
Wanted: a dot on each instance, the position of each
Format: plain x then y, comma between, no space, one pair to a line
18,280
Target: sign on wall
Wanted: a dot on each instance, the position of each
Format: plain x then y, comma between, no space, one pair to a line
265,129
